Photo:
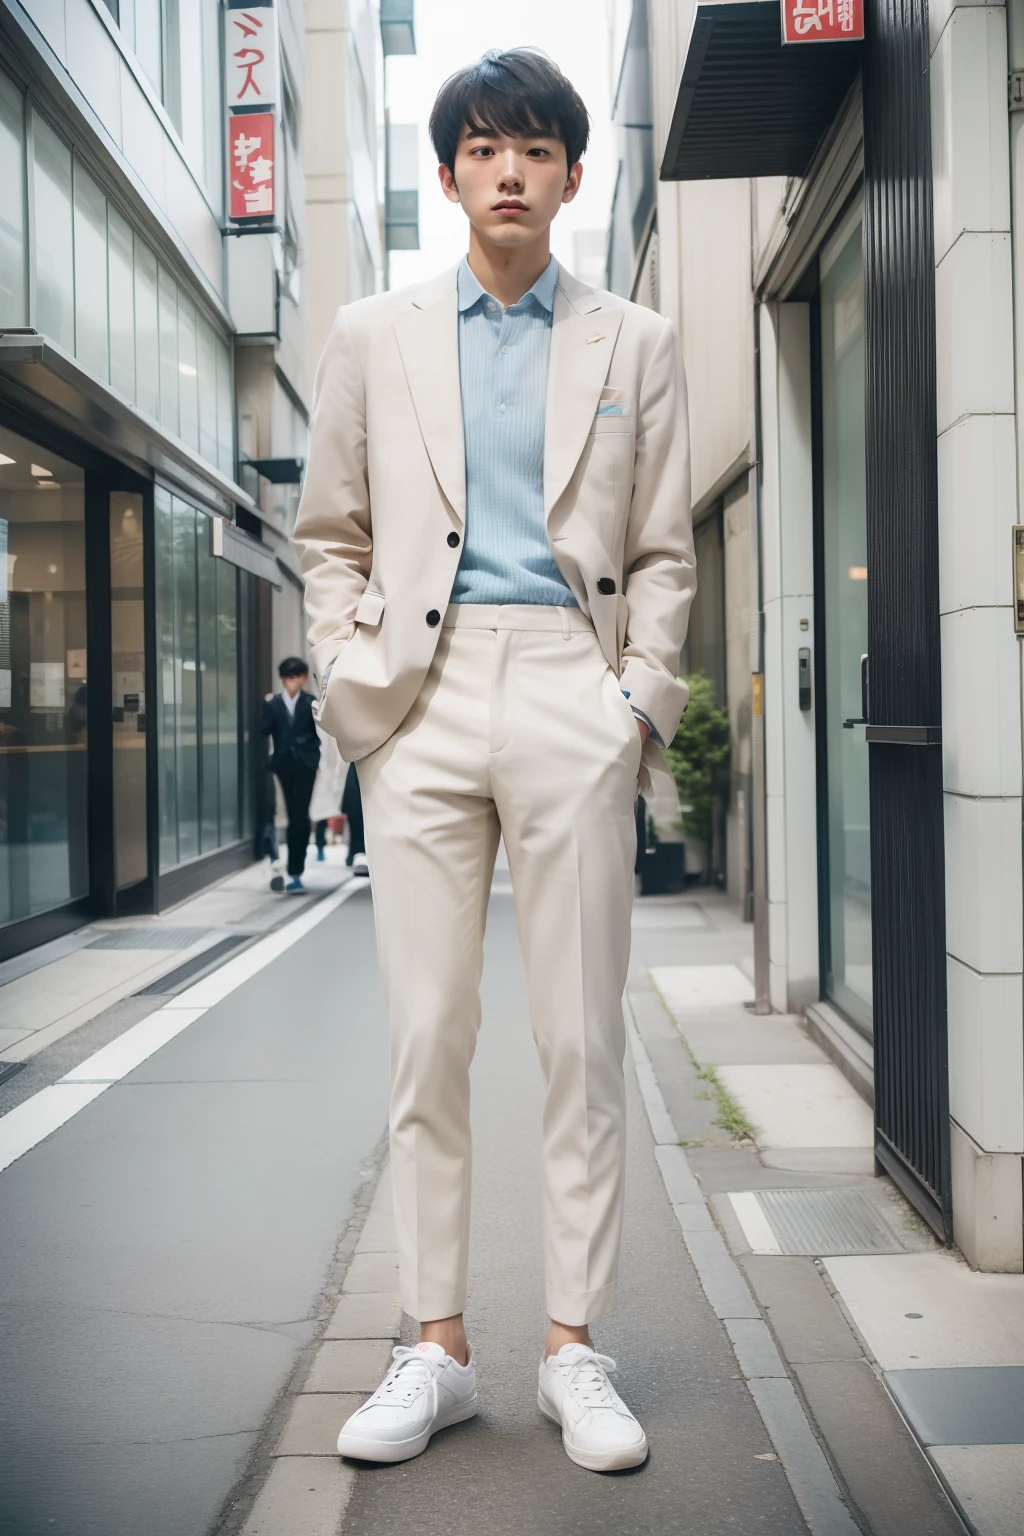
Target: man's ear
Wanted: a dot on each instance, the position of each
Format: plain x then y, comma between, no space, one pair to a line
448,186
573,180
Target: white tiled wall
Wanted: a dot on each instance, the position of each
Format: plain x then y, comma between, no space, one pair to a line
981,677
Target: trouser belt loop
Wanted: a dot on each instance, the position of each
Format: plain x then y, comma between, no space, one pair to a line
563,614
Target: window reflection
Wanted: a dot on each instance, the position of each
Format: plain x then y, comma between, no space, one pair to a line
43,681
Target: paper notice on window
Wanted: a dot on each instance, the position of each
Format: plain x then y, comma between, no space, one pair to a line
46,684
77,664
5,688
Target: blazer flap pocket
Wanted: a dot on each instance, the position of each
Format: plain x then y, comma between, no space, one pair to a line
370,609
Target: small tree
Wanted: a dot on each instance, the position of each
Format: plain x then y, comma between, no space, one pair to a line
700,759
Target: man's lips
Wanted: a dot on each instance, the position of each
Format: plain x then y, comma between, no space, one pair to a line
509,205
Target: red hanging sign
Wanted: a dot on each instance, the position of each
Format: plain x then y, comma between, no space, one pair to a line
822,21
251,159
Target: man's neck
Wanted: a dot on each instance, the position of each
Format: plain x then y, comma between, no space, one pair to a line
508,275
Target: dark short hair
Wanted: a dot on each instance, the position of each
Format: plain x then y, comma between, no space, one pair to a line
518,92
292,666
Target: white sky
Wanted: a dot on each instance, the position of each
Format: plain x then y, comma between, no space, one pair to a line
451,33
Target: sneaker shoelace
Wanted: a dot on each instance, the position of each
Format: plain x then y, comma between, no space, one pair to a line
407,1379
586,1381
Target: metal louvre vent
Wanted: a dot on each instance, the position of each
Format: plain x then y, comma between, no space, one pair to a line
747,104
150,938
823,1222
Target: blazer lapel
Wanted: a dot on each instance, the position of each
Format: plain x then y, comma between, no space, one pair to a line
428,339
582,340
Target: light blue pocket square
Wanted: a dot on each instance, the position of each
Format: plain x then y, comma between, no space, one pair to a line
609,409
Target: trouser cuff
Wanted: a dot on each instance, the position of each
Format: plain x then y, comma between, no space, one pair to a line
577,1308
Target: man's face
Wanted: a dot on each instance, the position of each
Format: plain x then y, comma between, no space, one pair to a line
293,685
510,188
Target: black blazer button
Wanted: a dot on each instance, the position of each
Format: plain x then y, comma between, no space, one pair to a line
453,540
433,618
606,585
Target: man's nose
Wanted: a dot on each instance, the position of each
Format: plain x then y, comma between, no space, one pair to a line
509,172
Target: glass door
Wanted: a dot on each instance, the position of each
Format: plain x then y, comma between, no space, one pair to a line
44,677
842,624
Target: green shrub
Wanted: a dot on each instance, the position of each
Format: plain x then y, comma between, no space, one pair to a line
700,758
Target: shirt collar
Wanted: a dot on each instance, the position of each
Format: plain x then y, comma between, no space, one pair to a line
471,290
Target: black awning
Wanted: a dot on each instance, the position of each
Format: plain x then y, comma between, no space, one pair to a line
747,105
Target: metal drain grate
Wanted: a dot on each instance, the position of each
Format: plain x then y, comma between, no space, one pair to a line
149,938
825,1222
175,980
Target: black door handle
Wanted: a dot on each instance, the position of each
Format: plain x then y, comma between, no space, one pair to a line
848,725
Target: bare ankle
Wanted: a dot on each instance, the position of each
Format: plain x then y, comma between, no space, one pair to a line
564,1333
450,1333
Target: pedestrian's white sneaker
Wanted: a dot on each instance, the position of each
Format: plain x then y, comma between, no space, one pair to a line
360,864
423,1391
598,1430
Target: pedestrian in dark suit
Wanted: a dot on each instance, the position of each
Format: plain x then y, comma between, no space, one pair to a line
288,720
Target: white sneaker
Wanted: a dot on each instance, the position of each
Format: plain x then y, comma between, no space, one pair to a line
598,1430
424,1390
360,864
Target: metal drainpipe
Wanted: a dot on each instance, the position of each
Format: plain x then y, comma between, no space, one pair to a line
762,994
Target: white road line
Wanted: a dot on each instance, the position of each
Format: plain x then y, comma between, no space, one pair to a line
756,1226
45,1112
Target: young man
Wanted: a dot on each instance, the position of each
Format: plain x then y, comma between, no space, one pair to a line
287,718
495,535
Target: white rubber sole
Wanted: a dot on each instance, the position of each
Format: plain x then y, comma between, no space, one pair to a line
595,1461
404,1450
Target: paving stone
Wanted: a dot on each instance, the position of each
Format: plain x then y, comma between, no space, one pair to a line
303,1496
378,1235
962,1405
366,1315
723,1284
989,1482
682,1187
349,1365
372,1272
694,1217
880,1462
755,1347
806,1321
314,1422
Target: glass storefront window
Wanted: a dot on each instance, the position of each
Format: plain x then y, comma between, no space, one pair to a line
188,373
128,670
54,248
91,320
198,702
847,978
207,364
43,681
13,289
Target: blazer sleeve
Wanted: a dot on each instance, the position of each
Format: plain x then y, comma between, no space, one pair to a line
659,567
332,535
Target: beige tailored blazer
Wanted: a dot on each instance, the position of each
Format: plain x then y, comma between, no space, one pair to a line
380,524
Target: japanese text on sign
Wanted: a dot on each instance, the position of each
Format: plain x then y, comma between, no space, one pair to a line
250,56
251,150
821,21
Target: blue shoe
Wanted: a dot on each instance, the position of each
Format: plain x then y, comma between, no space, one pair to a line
320,856
295,886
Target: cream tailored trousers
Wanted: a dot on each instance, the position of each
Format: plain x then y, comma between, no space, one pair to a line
520,730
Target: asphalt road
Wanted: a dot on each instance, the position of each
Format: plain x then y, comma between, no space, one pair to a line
163,1255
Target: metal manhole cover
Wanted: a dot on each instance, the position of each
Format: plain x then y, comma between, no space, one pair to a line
825,1222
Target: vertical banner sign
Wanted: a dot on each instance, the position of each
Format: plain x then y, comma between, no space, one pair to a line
822,21
251,91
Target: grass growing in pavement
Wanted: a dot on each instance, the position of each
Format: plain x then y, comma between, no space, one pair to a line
730,1118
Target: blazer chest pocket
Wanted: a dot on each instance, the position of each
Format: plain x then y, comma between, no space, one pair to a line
370,609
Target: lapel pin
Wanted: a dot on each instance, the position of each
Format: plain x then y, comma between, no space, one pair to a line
591,339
